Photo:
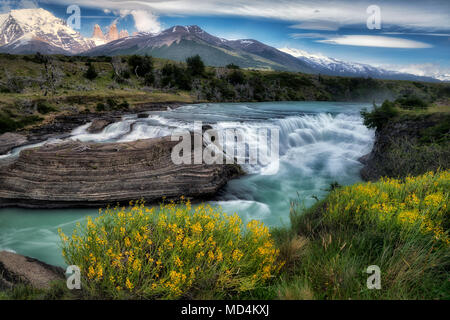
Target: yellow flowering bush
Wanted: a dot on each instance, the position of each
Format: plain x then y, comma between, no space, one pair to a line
171,252
418,204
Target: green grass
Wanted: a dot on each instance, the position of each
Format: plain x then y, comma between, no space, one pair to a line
330,245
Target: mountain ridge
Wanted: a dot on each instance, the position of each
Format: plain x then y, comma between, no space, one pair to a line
27,31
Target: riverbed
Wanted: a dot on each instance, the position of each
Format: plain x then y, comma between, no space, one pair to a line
319,143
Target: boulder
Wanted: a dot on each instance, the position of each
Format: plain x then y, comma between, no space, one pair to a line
99,124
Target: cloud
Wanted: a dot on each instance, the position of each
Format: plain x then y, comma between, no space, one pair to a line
431,14
434,70
375,41
145,21
317,25
8,5
418,34
308,35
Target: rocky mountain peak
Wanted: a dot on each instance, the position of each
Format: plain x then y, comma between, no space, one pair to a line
123,34
98,33
39,25
113,33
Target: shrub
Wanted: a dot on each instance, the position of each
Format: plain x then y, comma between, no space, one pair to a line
195,65
175,251
100,107
416,205
44,108
140,65
399,225
173,75
411,103
232,66
91,74
236,77
379,115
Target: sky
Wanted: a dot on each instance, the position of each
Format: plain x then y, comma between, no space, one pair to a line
408,36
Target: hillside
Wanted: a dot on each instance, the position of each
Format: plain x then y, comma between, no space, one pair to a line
36,88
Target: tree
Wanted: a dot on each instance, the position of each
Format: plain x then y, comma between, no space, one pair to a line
236,77
140,66
196,67
232,66
91,74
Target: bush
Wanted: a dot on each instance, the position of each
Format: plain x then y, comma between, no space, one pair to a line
232,66
236,77
417,205
399,225
7,124
379,115
100,107
173,75
195,65
44,108
175,251
140,65
411,103
90,74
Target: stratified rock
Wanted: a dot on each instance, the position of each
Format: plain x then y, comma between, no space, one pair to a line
11,140
76,174
98,125
15,269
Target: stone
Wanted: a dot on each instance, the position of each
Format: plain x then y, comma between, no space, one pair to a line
78,174
98,125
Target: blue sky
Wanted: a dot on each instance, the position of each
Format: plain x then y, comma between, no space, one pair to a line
414,35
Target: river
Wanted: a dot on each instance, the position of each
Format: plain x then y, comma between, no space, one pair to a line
319,143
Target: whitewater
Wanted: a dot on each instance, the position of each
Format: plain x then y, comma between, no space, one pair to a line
319,143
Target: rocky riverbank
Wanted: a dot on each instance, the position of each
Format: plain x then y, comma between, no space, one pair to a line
62,125
409,145
17,269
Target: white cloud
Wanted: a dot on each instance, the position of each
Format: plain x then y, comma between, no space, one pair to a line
8,5
431,14
375,41
316,25
434,70
145,21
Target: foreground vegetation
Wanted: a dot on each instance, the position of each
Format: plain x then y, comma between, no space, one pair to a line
176,251
35,88
400,225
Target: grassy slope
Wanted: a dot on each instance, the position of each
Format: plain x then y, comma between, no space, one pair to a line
71,92
330,245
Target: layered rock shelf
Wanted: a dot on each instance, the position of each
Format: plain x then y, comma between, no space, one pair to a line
77,174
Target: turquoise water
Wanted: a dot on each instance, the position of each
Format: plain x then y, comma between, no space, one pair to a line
320,143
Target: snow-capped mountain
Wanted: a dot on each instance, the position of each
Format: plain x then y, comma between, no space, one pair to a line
331,66
28,30
180,42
